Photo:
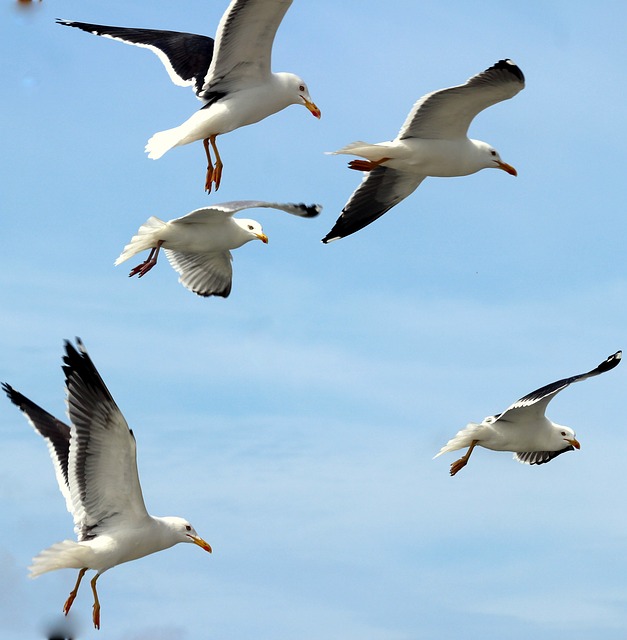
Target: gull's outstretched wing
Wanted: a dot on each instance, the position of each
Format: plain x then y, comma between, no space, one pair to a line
185,56
447,113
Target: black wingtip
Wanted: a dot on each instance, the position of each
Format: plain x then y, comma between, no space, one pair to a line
611,362
511,67
310,210
11,392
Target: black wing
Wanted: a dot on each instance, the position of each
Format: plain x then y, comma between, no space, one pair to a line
380,190
56,433
541,397
186,56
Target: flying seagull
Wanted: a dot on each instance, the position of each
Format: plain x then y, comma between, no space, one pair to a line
96,467
232,76
198,244
432,142
523,428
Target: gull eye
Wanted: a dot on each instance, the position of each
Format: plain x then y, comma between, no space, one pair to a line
563,433
302,87
250,226
188,527
493,152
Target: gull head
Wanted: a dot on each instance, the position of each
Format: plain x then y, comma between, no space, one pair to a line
252,228
564,436
492,160
184,532
298,93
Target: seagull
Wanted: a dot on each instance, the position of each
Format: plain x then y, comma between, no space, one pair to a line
232,76
198,244
96,467
432,142
523,428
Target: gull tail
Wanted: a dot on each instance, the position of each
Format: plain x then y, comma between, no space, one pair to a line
460,440
62,555
162,142
146,238
359,148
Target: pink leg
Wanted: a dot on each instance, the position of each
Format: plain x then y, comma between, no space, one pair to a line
143,268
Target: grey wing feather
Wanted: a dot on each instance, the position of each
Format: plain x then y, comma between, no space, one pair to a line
243,48
102,466
205,274
380,190
447,113
228,209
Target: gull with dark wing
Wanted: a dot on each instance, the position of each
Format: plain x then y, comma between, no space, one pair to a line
198,245
523,428
433,141
96,467
232,76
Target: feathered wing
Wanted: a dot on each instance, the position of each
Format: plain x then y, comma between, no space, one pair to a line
243,47
185,56
228,209
380,190
56,433
102,469
447,113
205,274
540,457
534,404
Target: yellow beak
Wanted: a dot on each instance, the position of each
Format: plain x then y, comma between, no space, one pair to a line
263,237
312,107
574,443
507,167
201,543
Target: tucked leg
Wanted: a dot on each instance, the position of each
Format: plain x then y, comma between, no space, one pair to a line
68,603
366,165
463,461
96,616
143,268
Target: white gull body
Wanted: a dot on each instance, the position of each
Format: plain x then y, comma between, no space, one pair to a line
198,245
96,468
433,141
523,428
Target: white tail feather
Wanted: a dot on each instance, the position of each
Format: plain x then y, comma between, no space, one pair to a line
358,148
162,142
62,555
146,238
460,440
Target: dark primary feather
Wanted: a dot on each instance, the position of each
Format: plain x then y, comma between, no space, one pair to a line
379,191
189,54
55,431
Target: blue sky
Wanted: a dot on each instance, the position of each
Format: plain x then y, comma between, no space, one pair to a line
294,423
